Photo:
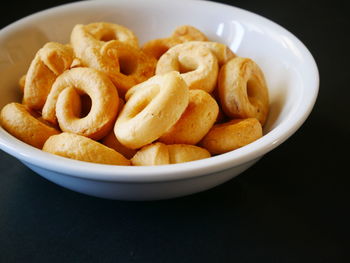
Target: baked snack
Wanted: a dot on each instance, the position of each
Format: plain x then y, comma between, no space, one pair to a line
134,66
231,135
81,148
22,123
203,99
157,47
152,108
112,49
49,62
159,153
199,116
151,154
63,103
197,65
181,153
242,90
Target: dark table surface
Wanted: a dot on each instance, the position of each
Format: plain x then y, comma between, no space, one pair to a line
290,207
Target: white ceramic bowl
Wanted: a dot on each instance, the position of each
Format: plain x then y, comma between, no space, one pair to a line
290,70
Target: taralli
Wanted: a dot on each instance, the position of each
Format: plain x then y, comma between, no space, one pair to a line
231,135
134,65
103,99
63,102
220,51
83,149
104,32
18,120
196,63
199,116
181,153
152,154
242,90
197,72
159,153
188,33
154,106
49,62
112,49
157,47
88,45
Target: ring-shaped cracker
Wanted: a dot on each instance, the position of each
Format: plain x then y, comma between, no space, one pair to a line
152,154
88,43
199,116
157,47
80,148
135,66
49,62
159,153
104,32
62,104
21,122
231,135
222,52
181,153
119,57
242,90
154,106
196,63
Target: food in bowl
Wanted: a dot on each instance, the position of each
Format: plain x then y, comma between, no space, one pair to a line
289,69
173,88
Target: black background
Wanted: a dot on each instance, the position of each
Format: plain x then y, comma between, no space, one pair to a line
290,207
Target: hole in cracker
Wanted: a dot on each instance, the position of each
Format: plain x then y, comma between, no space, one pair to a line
108,37
149,93
127,65
187,65
86,104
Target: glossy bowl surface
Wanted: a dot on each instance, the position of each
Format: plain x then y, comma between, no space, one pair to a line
289,68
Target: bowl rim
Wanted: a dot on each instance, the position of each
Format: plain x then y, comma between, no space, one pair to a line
101,172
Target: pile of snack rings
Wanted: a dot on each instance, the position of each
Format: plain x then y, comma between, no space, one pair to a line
102,98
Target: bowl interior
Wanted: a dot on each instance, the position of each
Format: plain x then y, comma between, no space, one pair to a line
289,68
